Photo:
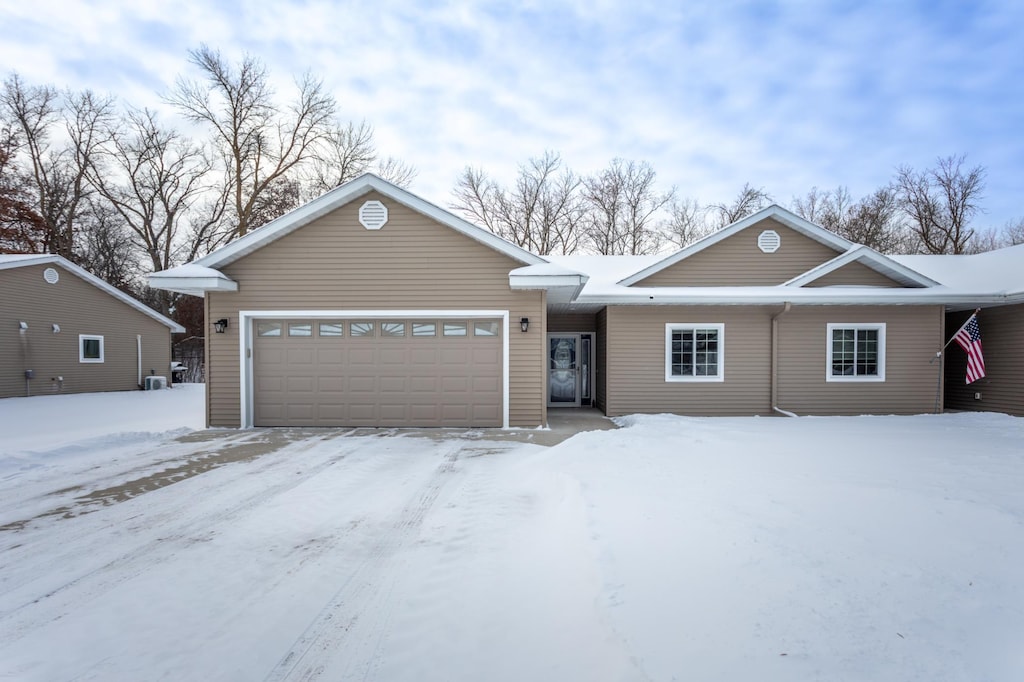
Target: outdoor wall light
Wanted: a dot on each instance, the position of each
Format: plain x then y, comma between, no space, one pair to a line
220,325
56,328
23,326
524,323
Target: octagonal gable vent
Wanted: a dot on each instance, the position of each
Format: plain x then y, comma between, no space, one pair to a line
769,241
51,275
373,215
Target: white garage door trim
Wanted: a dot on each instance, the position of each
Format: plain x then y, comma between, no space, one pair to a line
245,318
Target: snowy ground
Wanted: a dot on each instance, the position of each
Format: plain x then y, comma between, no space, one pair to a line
869,548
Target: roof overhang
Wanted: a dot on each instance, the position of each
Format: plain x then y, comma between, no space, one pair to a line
192,279
780,295
562,285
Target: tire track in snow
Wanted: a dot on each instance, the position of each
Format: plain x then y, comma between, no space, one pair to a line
361,608
92,584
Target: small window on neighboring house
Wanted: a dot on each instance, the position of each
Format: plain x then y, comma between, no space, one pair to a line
300,329
90,348
268,329
424,329
454,328
392,328
360,329
856,352
332,329
694,352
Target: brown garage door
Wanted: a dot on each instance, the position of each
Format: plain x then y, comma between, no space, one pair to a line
377,372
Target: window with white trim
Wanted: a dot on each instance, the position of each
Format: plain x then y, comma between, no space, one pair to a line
694,352
90,348
856,352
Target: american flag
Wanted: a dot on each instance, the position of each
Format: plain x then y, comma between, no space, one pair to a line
969,338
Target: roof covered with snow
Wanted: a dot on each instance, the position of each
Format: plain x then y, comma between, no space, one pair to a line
1000,271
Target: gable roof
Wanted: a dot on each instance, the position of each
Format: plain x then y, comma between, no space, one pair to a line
996,271
776,212
870,258
9,261
343,194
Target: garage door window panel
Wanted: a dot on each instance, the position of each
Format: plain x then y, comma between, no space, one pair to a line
392,329
424,329
361,329
455,329
300,329
486,328
332,329
268,329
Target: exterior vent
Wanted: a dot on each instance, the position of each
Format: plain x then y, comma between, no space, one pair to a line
769,241
51,275
155,383
373,215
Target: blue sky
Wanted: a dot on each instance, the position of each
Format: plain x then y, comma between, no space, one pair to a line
784,95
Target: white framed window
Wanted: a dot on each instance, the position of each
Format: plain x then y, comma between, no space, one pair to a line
694,352
856,352
90,348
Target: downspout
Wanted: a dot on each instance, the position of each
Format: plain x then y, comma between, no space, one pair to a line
138,349
775,361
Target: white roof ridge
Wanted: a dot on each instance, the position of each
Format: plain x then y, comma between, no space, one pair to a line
861,253
776,212
342,195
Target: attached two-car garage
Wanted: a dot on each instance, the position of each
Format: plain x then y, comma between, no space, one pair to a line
395,371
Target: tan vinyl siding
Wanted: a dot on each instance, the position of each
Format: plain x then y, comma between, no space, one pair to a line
413,263
601,360
913,334
571,322
636,362
854,274
737,261
1002,342
77,307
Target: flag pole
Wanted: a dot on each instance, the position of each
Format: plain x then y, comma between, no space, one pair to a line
938,356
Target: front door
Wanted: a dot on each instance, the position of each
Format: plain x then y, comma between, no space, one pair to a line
564,370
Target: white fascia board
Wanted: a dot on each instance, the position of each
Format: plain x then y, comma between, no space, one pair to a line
546,281
197,286
776,212
342,195
824,296
870,258
92,279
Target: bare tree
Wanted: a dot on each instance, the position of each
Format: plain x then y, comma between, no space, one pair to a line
152,177
750,200
941,202
21,227
346,152
280,197
105,248
688,222
622,204
57,170
541,213
260,141
875,220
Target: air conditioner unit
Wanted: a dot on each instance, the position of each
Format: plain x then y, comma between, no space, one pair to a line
155,383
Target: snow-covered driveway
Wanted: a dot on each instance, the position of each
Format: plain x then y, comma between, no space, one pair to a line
878,548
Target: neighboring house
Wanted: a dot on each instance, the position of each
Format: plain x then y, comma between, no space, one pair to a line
64,330
372,307
1001,273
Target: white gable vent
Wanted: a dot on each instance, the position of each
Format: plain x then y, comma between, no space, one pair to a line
51,275
769,241
373,215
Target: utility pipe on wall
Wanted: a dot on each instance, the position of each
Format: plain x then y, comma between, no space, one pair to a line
138,348
775,360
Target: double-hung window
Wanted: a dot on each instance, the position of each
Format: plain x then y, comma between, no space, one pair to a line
694,352
856,352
